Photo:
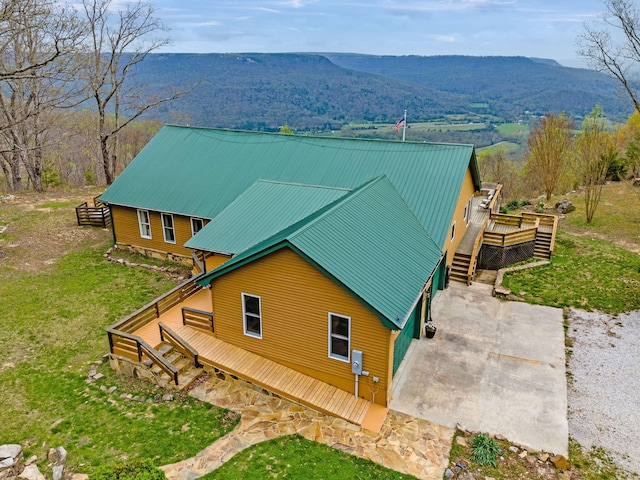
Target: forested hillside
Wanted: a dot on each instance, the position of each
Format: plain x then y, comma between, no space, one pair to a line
265,91
313,91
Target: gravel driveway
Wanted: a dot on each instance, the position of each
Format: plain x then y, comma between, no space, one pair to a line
604,392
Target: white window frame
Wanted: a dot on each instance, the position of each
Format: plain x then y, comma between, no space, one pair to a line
341,337
166,228
145,226
193,230
453,231
245,314
466,212
469,210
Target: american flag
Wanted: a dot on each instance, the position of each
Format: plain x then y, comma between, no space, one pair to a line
401,123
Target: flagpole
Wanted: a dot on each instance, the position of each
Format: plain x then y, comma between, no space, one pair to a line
404,127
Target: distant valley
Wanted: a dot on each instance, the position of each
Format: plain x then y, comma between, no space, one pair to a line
326,92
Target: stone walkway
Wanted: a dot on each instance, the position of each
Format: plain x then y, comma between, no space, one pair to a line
406,444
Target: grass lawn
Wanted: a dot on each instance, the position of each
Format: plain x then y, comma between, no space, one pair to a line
296,457
595,266
58,293
617,217
585,273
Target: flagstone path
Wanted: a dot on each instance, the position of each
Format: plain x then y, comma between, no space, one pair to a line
406,444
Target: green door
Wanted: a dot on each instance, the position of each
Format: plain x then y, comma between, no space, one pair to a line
411,330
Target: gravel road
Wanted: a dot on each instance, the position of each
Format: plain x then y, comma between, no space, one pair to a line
604,392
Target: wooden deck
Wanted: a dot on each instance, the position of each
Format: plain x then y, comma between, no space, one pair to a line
150,333
275,377
271,376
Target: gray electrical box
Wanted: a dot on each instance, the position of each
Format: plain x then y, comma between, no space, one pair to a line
356,362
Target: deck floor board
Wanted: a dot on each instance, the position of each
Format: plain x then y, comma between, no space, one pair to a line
275,377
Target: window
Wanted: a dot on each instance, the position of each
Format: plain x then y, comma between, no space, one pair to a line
145,223
196,225
466,212
469,210
252,315
339,332
453,231
167,228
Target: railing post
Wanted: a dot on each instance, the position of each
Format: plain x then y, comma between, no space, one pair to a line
161,335
110,342
139,350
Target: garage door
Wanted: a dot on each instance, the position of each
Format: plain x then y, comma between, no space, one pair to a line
402,342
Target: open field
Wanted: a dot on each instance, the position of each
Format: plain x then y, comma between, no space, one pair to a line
509,147
58,293
513,129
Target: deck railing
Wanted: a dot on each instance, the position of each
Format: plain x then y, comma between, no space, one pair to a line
198,319
474,251
97,216
135,348
123,342
505,239
173,339
153,310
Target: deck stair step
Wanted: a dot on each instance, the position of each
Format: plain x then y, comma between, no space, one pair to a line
460,267
164,349
187,372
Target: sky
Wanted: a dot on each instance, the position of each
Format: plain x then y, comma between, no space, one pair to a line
531,28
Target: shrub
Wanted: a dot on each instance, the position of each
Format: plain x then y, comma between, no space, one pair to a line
485,450
504,209
513,204
131,470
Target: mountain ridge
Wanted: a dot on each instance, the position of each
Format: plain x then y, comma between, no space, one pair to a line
263,91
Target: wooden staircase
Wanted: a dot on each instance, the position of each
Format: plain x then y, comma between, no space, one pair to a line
460,268
187,372
542,249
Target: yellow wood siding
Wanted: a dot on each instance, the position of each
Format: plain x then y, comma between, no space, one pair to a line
127,231
296,299
467,191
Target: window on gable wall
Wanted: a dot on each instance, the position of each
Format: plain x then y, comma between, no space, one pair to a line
251,312
167,228
145,223
196,225
453,231
339,337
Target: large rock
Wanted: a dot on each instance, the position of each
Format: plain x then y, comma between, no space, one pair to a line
57,455
31,472
565,206
10,450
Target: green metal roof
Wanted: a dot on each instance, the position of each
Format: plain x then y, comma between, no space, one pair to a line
265,208
199,172
368,241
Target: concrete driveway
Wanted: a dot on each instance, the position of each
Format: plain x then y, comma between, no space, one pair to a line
493,366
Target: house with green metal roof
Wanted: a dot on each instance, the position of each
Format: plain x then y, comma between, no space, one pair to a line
339,283
321,254
185,177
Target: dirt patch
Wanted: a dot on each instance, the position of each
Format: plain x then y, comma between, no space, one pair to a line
29,243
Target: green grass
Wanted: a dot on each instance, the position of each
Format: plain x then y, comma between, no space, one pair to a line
509,147
585,273
296,457
53,324
512,128
594,464
617,216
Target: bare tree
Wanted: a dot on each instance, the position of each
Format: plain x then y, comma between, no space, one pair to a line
115,50
548,158
38,37
619,59
595,150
